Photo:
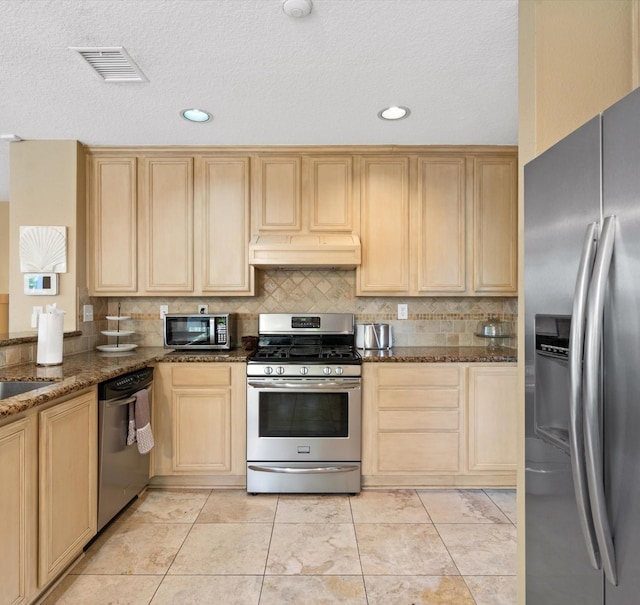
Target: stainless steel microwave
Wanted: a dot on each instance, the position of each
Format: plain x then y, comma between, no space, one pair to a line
199,331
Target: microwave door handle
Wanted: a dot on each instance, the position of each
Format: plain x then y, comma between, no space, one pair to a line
576,431
592,397
212,331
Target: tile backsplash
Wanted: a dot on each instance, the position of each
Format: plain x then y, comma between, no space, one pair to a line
432,321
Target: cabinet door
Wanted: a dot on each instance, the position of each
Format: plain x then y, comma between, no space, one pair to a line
201,430
329,190
18,514
492,418
277,194
112,223
223,226
199,415
441,228
384,226
68,481
495,225
411,419
167,224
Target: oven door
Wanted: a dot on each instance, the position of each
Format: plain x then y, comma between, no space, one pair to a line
303,419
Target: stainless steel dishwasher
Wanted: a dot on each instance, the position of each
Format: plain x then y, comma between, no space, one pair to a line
123,471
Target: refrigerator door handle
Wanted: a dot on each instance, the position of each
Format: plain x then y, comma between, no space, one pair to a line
576,432
592,382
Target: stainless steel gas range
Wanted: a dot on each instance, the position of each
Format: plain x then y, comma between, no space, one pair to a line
304,405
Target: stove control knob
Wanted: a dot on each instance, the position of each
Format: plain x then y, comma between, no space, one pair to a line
268,370
327,370
339,371
279,370
304,370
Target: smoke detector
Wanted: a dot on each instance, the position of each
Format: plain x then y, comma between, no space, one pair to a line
297,8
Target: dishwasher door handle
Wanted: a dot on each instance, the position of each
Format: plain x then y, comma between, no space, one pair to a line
114,403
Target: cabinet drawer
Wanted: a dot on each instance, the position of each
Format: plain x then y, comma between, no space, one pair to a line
418,452
403,420
418,398
420,375
195,375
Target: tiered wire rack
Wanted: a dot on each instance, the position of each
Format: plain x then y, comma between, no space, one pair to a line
117,346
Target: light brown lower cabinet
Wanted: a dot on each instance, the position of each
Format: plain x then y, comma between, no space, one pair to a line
199,424
492,418
68,467
18,510
48,493
438,424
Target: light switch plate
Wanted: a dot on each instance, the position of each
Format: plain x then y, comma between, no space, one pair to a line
164,309
403,311
203,309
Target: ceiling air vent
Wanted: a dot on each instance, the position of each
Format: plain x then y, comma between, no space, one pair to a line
112,63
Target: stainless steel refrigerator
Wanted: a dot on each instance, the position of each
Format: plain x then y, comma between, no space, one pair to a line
582,364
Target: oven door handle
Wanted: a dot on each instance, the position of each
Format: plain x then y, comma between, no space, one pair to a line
303,471
303,386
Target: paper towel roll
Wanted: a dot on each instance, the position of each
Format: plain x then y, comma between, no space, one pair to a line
50,337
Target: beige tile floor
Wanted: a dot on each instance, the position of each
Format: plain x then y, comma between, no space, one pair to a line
404,547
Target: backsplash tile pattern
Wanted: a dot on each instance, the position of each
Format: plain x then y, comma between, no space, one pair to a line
431,321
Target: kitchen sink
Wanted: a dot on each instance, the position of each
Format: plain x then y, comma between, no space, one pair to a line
10,388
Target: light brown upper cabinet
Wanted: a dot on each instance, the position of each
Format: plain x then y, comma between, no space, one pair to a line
223,226
277,193
384,226
166,220
440,224
298,194
113,225
329,193
495,224
164,224
431,221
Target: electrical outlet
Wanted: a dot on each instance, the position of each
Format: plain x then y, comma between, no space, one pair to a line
403,311
203,309
87,312
164,309
35,313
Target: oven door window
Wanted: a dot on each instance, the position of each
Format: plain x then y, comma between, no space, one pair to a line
304,414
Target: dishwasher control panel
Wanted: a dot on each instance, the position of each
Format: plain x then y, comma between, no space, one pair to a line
129,383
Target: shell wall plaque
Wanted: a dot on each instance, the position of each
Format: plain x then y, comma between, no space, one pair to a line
43,249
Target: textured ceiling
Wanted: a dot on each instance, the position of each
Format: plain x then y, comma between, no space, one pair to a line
268,79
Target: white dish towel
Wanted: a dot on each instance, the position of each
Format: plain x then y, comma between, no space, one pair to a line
139,429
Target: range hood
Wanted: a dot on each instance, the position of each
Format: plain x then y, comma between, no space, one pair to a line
309,251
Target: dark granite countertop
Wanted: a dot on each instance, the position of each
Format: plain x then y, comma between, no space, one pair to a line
19,338
83,370
441,355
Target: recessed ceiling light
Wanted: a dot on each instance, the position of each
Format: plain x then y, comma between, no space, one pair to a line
394,113
196,115
297,8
